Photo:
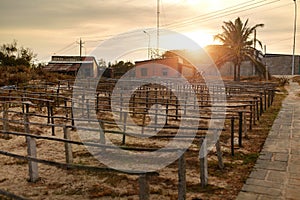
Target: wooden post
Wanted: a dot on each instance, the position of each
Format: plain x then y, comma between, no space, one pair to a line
48,111
251,116
33,166
265,99
102,133
97,102
257,110
203,163
5,121
245,125
121,106
195,98
52,121
185,103
68,146
147,99
144,120
261,104
167,112
240,128
181,178
144,187
31,152
219,155
23,108
72,116
82,104
66,107
232,136
124,127
177,107
57,94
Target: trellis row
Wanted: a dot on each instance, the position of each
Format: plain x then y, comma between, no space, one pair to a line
265,100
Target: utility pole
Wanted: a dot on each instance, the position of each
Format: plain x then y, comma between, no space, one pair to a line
157,33
255,53
80,47
267,70
294,44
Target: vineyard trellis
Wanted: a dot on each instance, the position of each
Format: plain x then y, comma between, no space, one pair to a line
53,105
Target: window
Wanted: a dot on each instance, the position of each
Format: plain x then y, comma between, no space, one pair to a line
144,71
165,72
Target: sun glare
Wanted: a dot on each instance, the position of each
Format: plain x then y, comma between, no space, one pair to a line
201,38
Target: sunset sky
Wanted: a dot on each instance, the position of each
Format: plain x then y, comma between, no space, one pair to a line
54,27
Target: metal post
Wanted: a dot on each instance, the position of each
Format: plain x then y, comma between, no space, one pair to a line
294,43
149,56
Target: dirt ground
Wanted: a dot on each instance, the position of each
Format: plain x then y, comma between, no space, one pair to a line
65,184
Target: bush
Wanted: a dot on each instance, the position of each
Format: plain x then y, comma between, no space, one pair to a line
14,75
282,81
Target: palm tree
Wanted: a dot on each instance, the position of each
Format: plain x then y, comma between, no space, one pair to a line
238,45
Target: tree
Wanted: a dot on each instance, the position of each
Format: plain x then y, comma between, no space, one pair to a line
11,55
238,45
121,67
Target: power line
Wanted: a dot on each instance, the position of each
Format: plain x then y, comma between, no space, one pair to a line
64,48
204,15
201,19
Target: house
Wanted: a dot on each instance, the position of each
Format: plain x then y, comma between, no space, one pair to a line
169,67
71,64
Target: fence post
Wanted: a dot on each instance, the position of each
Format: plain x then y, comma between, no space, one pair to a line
203,163
251,116
121,106
167,112
72,116
240,128
177,107
144,187
82,103
31,151
68,146
66,107
124,127
5,121
33,166
181,178
48,111
97,102
102,133
219,154
232,136
52,121
144,120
